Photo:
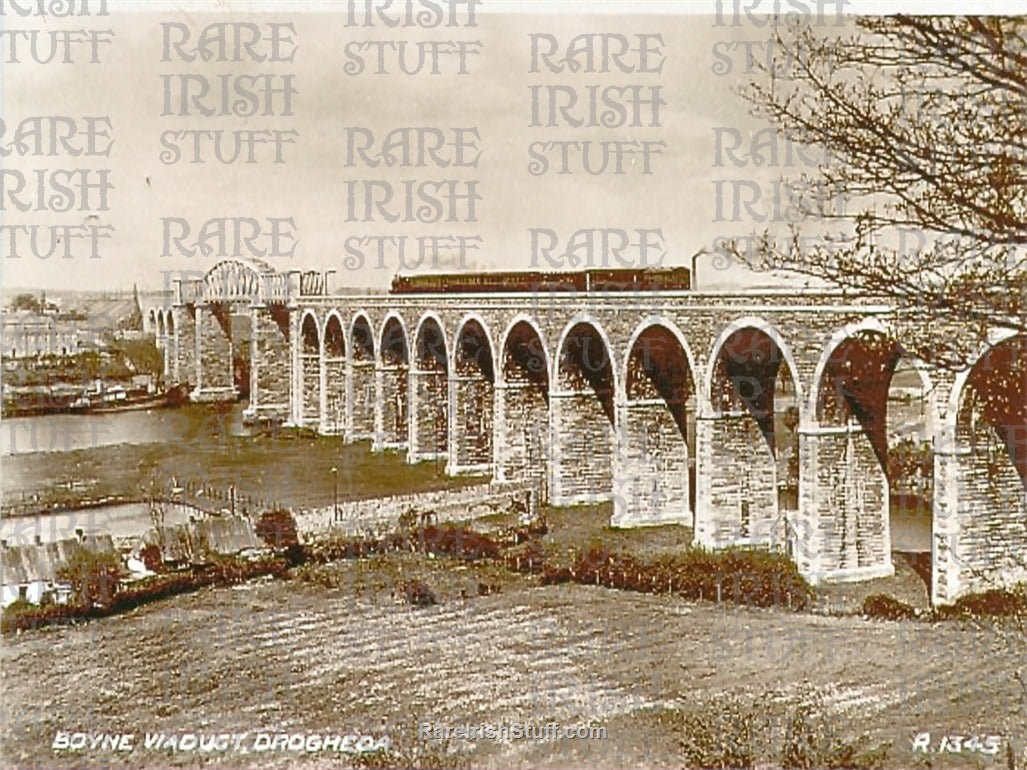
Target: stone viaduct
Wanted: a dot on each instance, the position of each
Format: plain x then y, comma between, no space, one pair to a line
667,403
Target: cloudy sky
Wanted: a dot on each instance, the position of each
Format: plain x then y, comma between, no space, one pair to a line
679,197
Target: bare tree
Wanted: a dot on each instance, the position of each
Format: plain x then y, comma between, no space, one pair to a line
156,493
922,124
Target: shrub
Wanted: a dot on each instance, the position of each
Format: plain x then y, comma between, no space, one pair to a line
456,541
812,743
723,735
222,572
556,575
529,557
277,528
884,607
25,616
419,594
94,575
152,558
743,732
994,603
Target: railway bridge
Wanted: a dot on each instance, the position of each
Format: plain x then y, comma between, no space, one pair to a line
678,406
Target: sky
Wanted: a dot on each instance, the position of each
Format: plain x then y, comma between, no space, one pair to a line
683,205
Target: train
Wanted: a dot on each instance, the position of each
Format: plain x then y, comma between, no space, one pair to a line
605,280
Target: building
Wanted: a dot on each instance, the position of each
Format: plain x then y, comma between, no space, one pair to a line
30,571
26,334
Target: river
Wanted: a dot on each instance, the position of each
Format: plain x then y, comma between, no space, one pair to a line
65,432
23,436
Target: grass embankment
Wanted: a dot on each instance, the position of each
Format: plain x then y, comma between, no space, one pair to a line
288,469
348,651
430,623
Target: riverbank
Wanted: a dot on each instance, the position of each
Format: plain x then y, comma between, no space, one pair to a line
43,403
285,469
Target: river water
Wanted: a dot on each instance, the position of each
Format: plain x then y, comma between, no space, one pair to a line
22,436
65,432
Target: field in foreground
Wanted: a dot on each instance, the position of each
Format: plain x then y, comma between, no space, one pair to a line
349,655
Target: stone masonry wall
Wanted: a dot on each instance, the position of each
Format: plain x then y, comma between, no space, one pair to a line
740,504
392,403
992,512
429,399
311,416
522,436
583,452
270,363
651,468
358,517
362,400
473,406
185,349
335,398
215,351
851,532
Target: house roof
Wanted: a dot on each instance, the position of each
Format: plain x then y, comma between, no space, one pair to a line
214,535
40,562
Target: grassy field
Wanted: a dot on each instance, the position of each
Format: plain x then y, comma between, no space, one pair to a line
337,649
343,652
291,469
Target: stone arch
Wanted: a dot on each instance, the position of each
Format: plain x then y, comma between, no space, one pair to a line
430,342
522,436
867,325
584,413
310,334
981,540
170,321
361,393
848,467
160,328
652,472
998,369
775,336
746,441
310,369
362,336
429,391
393,368
538,352
334,348
152,318
474,382
334,336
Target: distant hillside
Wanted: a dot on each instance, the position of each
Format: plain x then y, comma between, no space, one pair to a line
104,310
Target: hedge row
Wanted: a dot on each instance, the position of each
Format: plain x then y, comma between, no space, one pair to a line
222,572
446,540
740,576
